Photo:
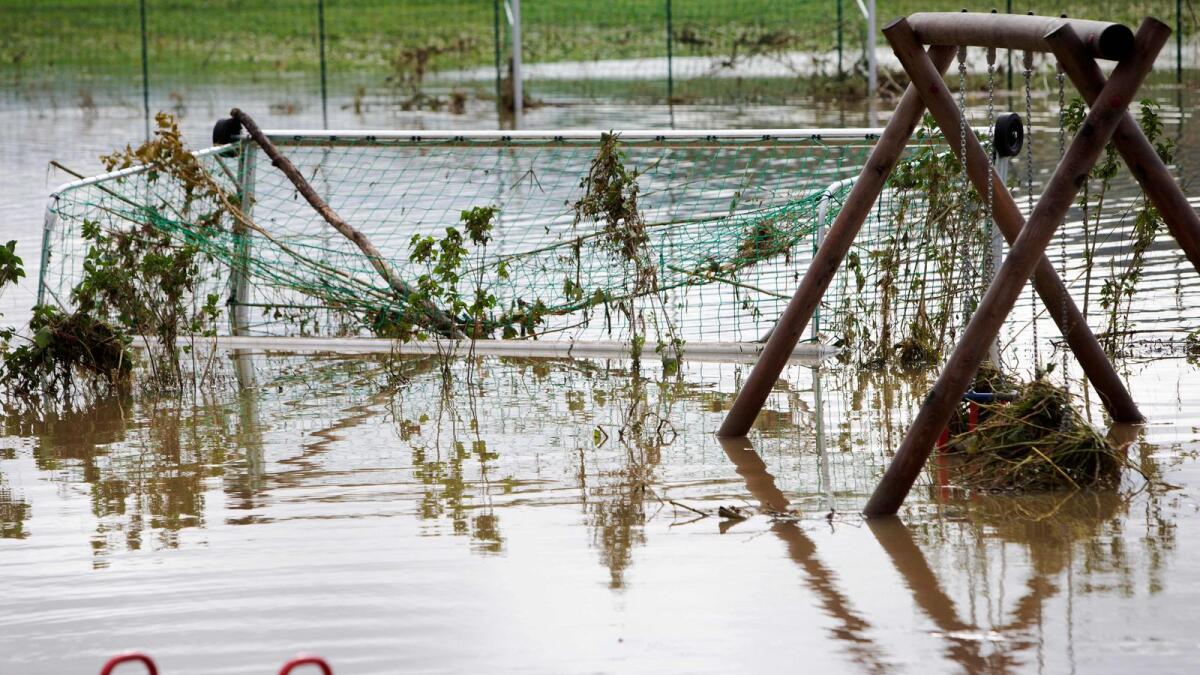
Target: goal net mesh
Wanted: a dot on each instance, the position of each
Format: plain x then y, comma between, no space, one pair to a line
732,222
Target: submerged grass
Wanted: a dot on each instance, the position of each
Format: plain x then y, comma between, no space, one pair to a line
252,38
1039,441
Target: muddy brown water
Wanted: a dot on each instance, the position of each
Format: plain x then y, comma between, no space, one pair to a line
541,515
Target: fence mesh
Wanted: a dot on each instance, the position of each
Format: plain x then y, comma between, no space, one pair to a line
730,223
344,55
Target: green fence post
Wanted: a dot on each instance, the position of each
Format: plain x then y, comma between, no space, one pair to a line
670,57
840,39
1179,41
321,40
496,43
1008,67
863,34
518,54
145,70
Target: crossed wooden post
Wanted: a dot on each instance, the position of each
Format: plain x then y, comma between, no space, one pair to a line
1109,100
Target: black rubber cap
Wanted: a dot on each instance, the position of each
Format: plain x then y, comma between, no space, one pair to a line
1116,42
226,130
1009,135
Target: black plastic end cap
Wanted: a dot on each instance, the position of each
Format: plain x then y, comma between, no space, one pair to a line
1009,135
1116,42
226,130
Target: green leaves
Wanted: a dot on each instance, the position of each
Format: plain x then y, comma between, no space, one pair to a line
478,223
446,261
422,248
144,278
1191,346
1073,114
62,348
11,266
11,270
571,290
42,338
906,288
1118,290
611,196
1152,126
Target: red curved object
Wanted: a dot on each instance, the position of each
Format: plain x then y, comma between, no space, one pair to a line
306,661
129,658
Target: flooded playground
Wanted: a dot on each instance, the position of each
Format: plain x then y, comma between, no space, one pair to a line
448,513
371,512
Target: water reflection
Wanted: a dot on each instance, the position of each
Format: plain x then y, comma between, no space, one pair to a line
509,462
14,510
443,440
615,499
246,478
67,440
851,628
613,421
146,475
466,440
964,645
1062,534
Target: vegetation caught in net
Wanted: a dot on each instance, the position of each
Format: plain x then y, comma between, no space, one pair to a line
709,233
926,268
1039,441
641,240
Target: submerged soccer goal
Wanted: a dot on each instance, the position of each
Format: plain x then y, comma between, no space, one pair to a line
727,222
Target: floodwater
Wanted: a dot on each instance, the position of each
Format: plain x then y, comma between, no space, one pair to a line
558,515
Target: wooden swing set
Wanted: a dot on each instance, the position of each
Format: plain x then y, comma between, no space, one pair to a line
1076,45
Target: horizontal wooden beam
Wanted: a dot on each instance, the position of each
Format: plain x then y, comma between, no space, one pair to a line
1104,40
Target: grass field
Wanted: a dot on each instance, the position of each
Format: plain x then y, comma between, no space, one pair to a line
407,40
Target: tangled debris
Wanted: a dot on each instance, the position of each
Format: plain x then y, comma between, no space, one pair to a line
1039,441
62,348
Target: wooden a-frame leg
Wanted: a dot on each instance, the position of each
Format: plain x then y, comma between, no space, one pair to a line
1139,155
820,579
1071,322
828,258
1022,258
896,540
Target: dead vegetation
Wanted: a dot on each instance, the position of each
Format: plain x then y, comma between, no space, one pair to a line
1039,441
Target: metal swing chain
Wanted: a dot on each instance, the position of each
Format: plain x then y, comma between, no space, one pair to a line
1062,104
989,228
1061,76
962,137
962,106
1028,74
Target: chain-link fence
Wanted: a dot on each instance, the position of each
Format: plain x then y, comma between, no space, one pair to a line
330,56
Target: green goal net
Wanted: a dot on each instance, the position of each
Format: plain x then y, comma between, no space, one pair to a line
731,222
